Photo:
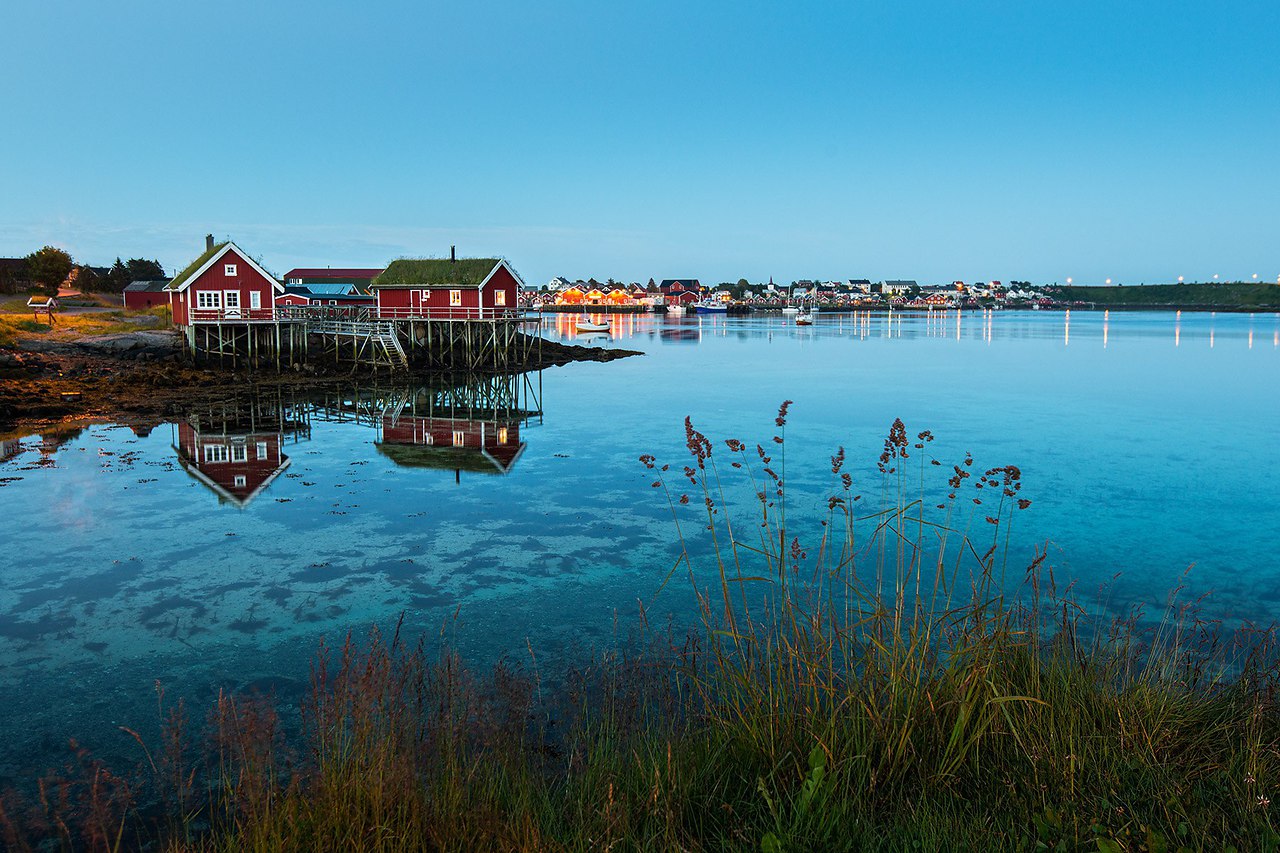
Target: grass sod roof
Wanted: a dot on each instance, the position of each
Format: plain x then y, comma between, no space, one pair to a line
195,265
464,272
470,459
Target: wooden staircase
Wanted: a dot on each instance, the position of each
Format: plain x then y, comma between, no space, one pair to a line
379,339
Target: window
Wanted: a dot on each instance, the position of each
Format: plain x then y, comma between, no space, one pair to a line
459,438
255,300
215,453
229,269
262,451
239,453
499,297
233,300
241,481
208,299
455,297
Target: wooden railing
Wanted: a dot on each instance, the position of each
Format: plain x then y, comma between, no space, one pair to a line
355,313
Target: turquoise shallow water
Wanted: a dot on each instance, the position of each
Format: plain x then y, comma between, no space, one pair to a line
1146,443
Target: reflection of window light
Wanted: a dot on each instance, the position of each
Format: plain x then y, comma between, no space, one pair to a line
240,481
502,435
459,438
262,450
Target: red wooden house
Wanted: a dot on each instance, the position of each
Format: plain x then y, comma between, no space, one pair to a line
680,291
223,285
452,444
447,289
140,295
235,466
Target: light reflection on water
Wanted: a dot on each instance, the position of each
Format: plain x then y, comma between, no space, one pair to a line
216,551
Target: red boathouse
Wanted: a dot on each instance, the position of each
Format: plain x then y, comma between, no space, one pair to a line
223,285
447,289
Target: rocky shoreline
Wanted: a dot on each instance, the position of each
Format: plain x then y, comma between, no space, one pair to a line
145,376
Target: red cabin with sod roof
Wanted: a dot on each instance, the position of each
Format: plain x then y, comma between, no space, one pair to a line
447,289
223,285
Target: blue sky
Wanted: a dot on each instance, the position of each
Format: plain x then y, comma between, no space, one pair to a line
1136,141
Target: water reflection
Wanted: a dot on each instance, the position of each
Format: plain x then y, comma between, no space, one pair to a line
471,423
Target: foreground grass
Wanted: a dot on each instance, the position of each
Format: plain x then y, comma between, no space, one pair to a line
17,323
887,687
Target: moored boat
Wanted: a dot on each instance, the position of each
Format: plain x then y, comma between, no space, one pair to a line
586,324
804,319
711,307
676,309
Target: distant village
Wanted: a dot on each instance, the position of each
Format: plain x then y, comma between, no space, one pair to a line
852,293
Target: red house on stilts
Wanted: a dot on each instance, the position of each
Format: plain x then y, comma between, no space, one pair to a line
223,285
447,289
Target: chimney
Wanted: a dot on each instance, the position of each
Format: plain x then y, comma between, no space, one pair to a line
208,242
453,253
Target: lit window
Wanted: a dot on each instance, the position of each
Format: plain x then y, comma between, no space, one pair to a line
455,297
230,269
499,297
215,453
502,435
262,450
255,300
208,299
459,438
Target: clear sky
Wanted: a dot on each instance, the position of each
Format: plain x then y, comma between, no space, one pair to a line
1134,140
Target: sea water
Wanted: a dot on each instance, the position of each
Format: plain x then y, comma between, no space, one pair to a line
1146,443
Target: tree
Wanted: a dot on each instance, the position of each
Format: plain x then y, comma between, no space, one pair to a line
86,280
742,282
49,268
141,269
118,278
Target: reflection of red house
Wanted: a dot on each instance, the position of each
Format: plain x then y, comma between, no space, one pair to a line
447,289
452,444
680,291
224,285
235,466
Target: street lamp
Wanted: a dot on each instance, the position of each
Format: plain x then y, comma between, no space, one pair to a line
1179,279
1068,279
1108,281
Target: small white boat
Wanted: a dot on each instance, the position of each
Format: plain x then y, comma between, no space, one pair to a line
790,309
586,324
804,319
675,309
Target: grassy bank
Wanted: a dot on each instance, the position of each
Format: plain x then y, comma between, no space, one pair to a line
898,681
1226,297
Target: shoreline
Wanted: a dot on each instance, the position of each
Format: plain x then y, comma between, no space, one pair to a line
145,377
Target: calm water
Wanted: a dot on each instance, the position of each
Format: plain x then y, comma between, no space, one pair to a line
1147,444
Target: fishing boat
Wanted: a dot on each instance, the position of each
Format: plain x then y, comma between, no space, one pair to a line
804,319
711,307
586,324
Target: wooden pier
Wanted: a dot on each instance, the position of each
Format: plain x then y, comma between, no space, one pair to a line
287,336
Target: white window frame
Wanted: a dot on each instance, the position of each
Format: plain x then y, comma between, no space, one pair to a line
262,451
208,300
215,453
241,481
499,297
459,438
231,299
255,300
239,453
455,298
229,270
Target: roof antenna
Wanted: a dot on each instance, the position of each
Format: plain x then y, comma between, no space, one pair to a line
453,254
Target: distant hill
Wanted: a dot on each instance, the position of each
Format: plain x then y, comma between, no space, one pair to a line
1215,296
